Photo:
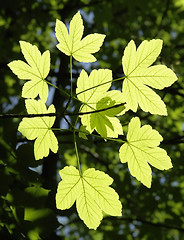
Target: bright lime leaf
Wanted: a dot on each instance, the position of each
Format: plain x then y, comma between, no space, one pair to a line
91,192
71,43
142,148
39,128
36,70
92,92
138,76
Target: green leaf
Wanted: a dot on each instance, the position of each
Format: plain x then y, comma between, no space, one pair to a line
39,128
142,148
91,192
36,222
36,70
83,132
71,43
138,76
92,92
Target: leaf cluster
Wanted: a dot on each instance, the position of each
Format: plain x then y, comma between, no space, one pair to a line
101,109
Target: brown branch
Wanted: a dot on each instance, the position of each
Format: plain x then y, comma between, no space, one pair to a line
6,116
134,221
161,225
96,111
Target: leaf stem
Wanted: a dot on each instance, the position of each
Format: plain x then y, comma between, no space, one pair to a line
95,135
75,144
75,96
88,89
71,93
113,80
61,90
73,127
77,154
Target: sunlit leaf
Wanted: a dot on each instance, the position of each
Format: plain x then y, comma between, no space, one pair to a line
36,70
91,192
71,43
39,128
139,75
92,92
141,150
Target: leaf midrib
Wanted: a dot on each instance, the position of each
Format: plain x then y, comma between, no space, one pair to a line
34,61
142,92
135,159
83,46
141,61
97,192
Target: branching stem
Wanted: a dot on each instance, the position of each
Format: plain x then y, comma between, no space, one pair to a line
88,89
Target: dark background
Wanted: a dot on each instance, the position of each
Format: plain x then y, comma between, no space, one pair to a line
28,187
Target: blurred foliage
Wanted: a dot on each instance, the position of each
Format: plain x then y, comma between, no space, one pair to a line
28,187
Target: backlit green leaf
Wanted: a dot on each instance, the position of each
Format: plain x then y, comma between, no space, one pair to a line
138,76
36,70
91,192
39,128
71,43
92,92
142,148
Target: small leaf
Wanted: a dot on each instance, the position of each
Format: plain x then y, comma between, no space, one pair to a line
83,132
91,192
71,43
142,148
138,76
92,92
36,70
39,128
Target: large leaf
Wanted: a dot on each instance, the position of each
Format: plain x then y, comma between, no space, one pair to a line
91,192
39,128
142,148
92,92
36,70
71,43
138,76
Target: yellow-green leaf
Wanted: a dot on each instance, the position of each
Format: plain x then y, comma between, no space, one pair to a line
39,128
71,43
141,150
91,192
92,92
36,70
139,75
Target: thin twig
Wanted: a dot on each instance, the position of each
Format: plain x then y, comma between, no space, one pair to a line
6,116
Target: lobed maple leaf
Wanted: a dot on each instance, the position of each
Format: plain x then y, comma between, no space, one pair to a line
91,192
139,75
71,43
142,148
36,70
39,128
92,92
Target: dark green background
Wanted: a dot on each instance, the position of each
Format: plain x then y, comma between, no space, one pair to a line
27,193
